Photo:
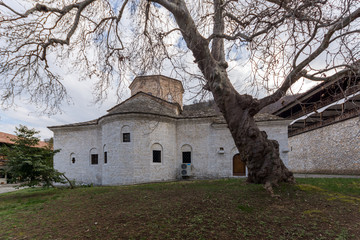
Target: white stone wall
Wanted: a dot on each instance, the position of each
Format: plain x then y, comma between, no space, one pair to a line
206,139
78,141
333,149
278,130
150,131
132,162
120,155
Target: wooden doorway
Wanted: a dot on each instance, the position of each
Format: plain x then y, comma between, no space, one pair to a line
239,168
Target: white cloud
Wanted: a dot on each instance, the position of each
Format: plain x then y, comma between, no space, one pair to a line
81,109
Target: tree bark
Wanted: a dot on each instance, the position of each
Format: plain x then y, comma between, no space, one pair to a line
260,154
70,183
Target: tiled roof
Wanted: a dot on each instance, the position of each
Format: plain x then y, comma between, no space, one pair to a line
209,109
201,109
6,138
145,103
148,104
279,104
79,124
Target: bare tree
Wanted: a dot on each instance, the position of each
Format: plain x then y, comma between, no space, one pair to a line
286,40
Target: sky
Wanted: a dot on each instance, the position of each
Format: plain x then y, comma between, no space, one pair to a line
82,107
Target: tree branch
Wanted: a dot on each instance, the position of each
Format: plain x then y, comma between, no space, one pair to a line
298,71
343,73
217,49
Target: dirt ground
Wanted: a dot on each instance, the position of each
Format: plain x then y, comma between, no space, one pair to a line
222,209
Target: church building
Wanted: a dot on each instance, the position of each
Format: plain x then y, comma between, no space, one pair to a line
153,137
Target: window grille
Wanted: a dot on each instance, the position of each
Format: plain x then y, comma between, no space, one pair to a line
186,157
126,137
94,159
156,156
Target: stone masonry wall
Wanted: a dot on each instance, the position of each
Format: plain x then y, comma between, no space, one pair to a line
334,149
159,86
278,130
131,162
77,143
206,139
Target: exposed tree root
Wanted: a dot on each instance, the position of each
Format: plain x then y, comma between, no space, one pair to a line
269,188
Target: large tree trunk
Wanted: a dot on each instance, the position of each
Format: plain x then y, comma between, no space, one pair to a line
260,154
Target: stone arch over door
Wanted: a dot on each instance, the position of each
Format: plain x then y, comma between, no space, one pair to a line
239,168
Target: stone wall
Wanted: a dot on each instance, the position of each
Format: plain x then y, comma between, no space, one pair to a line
160,86
77,143
333,149
205,142
132,162
278,130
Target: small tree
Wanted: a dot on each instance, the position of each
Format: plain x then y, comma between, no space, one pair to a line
28,162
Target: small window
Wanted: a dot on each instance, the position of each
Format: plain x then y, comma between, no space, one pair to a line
94,159
126,137
72,158
156,156
105,157
186,156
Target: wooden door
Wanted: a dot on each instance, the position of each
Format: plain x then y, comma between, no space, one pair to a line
238,166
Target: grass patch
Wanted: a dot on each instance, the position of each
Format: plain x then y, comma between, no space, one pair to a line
347,186
216,209
245,208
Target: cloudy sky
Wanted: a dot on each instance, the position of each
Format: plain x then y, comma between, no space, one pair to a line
82,107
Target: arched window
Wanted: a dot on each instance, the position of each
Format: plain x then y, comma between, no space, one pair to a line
157,153
72,158
125,134
186,153
94,157
105,154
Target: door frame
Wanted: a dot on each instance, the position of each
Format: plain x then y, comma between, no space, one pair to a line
232,161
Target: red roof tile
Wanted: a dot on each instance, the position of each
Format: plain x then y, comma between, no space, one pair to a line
5,138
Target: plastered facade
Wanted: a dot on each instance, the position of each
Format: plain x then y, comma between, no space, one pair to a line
131,162
333,149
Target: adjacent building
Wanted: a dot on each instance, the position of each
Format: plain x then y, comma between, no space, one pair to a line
324,132
6,140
